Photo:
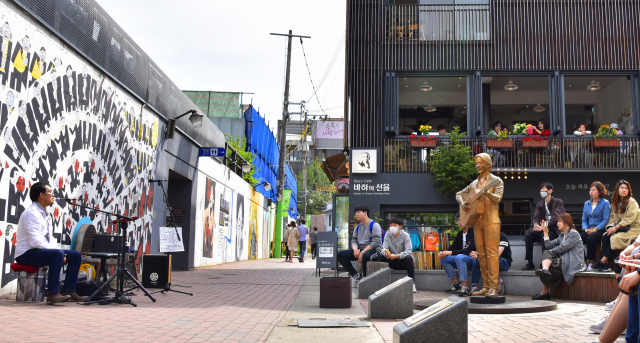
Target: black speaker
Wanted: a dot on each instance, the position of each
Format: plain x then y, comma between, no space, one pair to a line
87,288
156,271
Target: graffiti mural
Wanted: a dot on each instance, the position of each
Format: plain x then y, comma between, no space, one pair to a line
253,225
239,226
265,233
224,224
209,219
65,123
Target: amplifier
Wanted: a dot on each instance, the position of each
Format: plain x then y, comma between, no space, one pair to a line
156,270
89,287
106,243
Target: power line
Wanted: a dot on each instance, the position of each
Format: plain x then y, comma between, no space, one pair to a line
330,66
311,79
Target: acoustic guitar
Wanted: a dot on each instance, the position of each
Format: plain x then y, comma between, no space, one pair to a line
468,217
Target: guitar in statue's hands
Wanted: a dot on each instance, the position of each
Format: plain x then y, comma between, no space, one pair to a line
470,209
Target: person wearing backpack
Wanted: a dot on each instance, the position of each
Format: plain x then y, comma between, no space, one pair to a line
367,239
396,249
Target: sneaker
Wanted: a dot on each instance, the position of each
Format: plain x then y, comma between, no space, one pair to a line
414,288
597,266
355,279
464,291
529,266
609,306
605,268
501,287
597,328
473,289
455,288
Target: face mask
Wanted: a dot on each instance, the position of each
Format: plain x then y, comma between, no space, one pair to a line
543,194
394,230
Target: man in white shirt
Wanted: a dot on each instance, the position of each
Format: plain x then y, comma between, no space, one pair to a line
35,246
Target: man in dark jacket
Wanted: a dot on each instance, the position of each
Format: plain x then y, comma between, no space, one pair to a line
548,210
457,256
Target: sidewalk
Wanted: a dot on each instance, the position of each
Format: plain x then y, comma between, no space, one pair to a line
255,301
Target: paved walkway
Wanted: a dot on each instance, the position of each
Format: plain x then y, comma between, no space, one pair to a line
255,301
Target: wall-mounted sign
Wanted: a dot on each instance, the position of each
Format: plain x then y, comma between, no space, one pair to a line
178,212
330,130
212,152
521,207
364,161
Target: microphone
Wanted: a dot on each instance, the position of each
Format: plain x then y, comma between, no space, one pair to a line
67,199
157,180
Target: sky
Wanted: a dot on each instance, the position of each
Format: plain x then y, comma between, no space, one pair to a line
226,46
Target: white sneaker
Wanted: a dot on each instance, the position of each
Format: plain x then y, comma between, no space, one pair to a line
597,328
609,306
355,279
414,288
589,268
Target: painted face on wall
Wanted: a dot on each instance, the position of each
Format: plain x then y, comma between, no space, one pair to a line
22,109
43,54
84,71
239,227
9,99
6,31
57,62
26,44
69,71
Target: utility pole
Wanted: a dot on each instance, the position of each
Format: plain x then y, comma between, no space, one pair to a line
283,146
305,149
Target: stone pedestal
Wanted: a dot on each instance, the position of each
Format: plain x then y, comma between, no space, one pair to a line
447,325
484,300
394,301
373,267
374,282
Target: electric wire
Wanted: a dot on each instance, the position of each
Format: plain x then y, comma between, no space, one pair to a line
330,66
311,79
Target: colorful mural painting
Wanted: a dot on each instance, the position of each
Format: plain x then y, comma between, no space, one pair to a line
209,218
253,224
63,122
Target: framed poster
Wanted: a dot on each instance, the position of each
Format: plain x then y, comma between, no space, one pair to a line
364,161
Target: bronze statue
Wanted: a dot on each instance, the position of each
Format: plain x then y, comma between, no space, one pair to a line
479,208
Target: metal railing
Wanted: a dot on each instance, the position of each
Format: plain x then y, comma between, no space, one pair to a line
404,155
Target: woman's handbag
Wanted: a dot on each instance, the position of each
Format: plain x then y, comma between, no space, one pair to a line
620,230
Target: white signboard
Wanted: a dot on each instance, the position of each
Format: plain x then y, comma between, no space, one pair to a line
325,251
169,240
364,161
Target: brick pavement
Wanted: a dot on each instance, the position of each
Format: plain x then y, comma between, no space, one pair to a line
235,302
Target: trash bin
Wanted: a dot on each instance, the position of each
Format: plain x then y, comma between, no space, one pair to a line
32,286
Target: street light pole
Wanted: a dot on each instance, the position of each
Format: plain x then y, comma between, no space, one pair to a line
282,145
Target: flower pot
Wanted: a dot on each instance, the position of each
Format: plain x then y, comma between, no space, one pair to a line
499,143
606,143
427,143
535,143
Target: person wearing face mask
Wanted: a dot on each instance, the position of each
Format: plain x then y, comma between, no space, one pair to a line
396,249
547,211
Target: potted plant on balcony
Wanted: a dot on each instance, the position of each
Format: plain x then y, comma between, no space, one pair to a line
425,140
520,128
499,140
607,137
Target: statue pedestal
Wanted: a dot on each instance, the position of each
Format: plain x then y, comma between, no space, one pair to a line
482,300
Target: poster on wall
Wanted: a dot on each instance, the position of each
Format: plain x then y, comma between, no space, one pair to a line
223,224
239,226
171,239
253,225
265,233
209,218
364,161
69,125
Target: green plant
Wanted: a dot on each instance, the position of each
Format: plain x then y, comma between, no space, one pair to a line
520,128
499,136
452,166
606,132
424,129
319,189
377,218
240,146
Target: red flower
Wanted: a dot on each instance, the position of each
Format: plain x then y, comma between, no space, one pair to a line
60,183
526,139
20,184
56,213
423,138
412,136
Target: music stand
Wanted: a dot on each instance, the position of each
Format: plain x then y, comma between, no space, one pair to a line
167,287
120,296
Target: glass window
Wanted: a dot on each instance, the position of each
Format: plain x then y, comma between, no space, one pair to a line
432,101
341,222
597,100
513,100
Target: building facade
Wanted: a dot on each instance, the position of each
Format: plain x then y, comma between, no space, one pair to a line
472,63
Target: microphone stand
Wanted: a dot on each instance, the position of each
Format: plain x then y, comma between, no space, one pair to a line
120,296
167,287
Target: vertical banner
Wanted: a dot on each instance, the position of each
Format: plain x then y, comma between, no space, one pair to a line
253,225
209,219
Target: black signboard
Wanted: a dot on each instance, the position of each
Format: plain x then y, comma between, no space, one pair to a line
327,251
522,207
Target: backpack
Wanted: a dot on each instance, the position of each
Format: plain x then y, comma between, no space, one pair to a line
371,231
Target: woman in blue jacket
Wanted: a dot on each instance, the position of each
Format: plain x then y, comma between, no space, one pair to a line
595,217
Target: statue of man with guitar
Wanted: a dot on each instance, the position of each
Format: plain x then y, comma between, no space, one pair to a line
479,209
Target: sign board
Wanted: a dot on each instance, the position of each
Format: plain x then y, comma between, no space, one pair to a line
178,212
364,161
171,239
327,250
330,130
521,207
212,152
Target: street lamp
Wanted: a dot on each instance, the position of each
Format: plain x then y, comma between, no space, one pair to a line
246,167
195,119
267,186
279,197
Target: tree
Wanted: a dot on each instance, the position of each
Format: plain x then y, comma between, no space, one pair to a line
452,165
240,145
319,189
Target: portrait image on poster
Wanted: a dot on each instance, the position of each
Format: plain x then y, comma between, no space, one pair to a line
223,224
209,218
239,224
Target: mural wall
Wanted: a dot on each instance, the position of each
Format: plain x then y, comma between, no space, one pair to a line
254,230
63,122
209,219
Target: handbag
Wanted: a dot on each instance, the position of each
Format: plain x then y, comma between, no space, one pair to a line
620,230
431,241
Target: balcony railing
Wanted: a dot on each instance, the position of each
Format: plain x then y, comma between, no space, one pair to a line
522,153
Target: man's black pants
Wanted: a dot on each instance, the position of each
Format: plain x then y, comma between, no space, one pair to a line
314,250
346,256
535,236
400,264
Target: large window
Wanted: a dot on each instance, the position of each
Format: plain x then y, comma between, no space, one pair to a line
598,100
511,100
444,104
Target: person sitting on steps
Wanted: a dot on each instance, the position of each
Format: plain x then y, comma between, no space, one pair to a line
396,249
457,256
547,210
